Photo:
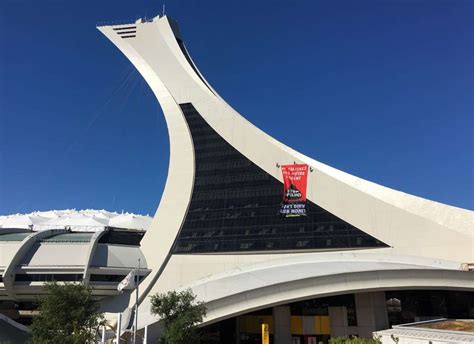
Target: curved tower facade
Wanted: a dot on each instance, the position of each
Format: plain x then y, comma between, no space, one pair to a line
218,227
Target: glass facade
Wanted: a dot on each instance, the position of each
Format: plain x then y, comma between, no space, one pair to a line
309,319
122,237
406,306
320,307
48,277
235,206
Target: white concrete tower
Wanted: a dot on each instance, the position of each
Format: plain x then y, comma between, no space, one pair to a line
217,227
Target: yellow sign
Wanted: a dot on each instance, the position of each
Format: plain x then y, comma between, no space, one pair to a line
265,334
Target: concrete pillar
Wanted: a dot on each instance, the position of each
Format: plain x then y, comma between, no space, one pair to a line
371,310
308,325
338,321
282,324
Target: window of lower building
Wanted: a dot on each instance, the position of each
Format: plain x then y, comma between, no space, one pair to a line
320,307
109,278
48,277
405,306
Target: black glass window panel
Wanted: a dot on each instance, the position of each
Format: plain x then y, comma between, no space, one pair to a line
48,277
121,237
125,28
406,306
235,206
320,306
110,278
106,278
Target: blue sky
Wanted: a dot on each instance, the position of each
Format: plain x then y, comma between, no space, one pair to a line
382,89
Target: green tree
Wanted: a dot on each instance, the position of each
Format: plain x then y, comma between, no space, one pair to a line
67,315
180,313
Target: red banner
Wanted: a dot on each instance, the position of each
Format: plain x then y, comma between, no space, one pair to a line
294,197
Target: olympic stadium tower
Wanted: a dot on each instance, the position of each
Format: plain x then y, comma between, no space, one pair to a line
362,257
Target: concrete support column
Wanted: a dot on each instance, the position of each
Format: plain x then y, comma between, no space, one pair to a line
338,321
282,324
371,310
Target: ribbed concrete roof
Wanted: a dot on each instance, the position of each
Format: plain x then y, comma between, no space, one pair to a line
87,220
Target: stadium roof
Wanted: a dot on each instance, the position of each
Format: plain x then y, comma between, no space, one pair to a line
87,220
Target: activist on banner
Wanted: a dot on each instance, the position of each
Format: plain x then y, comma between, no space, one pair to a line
294,190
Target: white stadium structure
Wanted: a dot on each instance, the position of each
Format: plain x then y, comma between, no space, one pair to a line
363,258
94,246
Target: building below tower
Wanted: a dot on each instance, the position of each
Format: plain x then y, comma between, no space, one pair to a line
348,315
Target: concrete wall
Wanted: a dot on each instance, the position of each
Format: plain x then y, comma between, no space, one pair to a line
371,313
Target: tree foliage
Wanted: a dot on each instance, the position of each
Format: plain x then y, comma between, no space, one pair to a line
180,313
67,315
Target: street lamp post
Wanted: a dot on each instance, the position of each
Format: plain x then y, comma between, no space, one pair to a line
137,281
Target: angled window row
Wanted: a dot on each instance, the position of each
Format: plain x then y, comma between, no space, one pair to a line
235,206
